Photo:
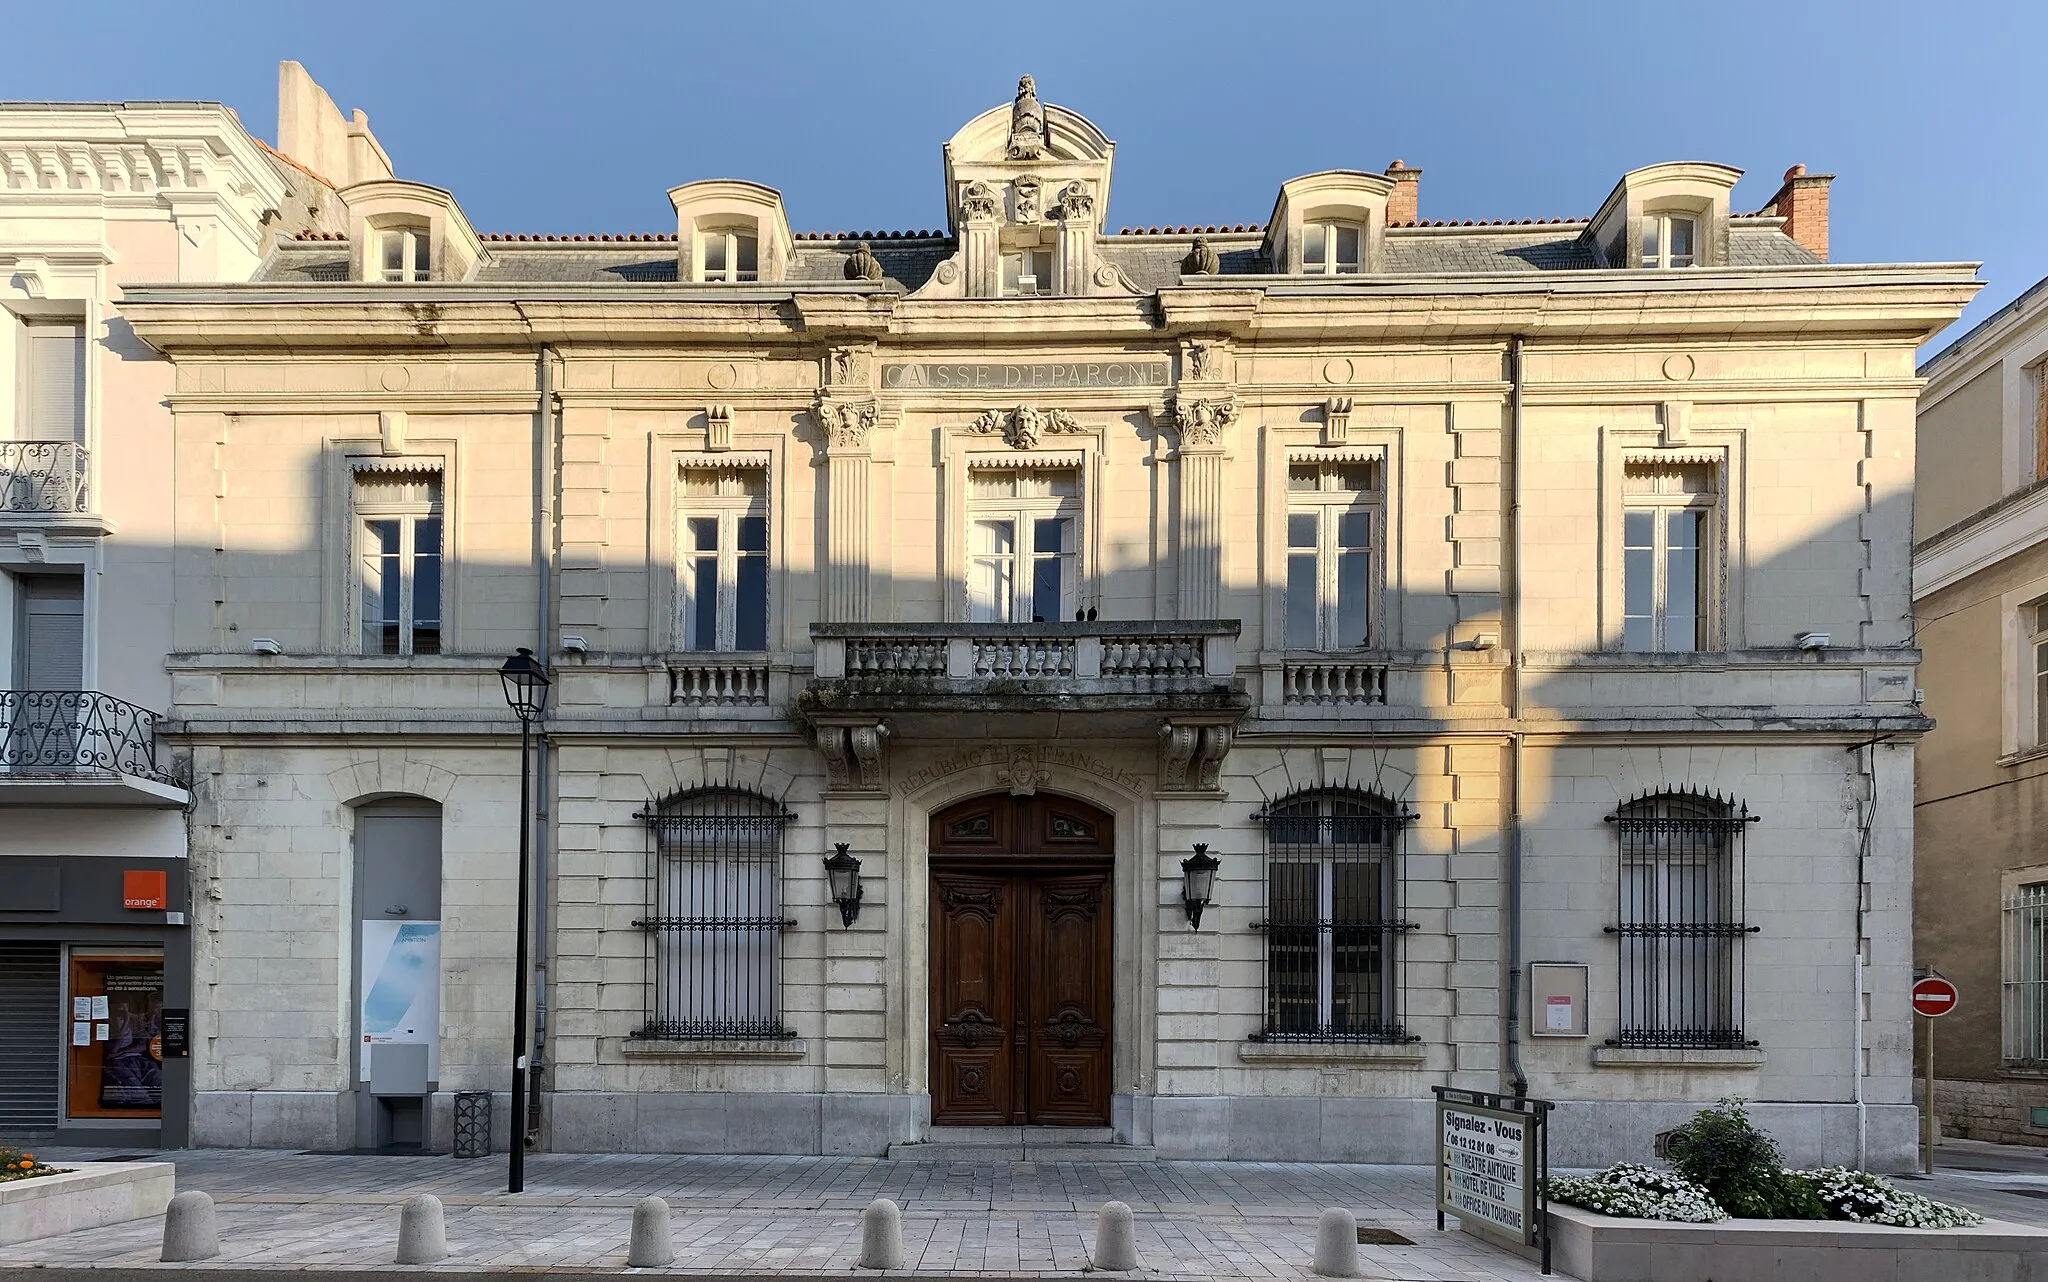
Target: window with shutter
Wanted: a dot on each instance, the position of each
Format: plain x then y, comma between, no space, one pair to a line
52,633
55,383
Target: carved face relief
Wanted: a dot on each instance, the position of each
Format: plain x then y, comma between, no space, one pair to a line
1022,426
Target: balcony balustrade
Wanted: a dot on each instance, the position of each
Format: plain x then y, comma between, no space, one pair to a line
81,746
998,668
43,476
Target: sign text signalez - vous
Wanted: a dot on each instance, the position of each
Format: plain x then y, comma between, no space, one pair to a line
981,376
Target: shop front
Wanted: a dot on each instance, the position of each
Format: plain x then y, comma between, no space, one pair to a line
95,1001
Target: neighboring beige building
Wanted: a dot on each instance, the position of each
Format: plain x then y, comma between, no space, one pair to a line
1409,568
1980,584
93,893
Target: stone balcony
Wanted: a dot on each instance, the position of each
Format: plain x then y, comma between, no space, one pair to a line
941,679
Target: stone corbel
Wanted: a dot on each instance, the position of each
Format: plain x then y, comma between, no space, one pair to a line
853,755
1191,755
1337,420
1677,425
718,428
850,368
1206,360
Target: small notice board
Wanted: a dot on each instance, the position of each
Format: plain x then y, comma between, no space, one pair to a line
1493,1156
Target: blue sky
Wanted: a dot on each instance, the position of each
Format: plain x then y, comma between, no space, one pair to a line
577,118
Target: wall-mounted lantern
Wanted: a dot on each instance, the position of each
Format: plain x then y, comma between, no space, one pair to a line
842,871
1198,882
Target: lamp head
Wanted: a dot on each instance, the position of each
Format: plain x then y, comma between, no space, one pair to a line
526,684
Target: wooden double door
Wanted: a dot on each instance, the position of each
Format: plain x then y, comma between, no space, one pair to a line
1021,963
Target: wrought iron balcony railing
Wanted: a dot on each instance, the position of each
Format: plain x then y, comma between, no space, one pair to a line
58,734
43,476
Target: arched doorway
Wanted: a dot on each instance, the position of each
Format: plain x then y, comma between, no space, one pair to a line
1021,962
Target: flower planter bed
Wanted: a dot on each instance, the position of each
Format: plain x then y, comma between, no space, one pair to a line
1601,1248
86,1197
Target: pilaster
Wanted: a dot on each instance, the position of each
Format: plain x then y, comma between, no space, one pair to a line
1199,422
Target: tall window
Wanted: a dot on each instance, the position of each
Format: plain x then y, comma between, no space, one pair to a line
1023,533
1670,556
404,254
1028,272
398,562
2026,975
731,256
53,382
724,559
1333,918
1332,249
715,916
1332,509
1668,240
2036,619
1681,929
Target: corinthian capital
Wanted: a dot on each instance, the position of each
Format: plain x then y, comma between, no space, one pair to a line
1200,423
847,424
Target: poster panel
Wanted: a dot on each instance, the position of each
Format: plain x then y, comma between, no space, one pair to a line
401,989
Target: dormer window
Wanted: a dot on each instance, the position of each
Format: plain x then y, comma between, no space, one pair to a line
731,256
404,254
1332,249
1027,273
1669,240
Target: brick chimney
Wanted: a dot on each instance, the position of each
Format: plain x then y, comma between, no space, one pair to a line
1402,202
1803,203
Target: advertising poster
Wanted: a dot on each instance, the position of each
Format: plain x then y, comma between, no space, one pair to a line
116,1067
401,988
131,1059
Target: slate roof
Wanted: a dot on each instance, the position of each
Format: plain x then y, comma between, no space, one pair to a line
1149,261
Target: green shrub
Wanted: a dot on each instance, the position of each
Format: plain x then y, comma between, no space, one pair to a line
1740,1167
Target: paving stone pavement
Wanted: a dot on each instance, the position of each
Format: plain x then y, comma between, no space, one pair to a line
791,1216
799,1217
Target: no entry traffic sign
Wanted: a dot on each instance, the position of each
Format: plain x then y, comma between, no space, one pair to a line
1933,996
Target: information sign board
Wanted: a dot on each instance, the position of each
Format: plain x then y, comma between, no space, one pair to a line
1493,1155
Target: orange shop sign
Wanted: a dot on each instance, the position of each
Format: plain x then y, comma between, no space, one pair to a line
144,888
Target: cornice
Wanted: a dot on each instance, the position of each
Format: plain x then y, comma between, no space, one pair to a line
1980,543
1906,303
119,154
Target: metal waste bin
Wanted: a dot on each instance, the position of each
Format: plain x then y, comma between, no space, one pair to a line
472,1123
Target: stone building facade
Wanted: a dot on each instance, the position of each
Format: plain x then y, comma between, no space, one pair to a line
1497,605
1980,583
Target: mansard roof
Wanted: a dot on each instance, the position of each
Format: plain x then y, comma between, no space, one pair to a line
1149,260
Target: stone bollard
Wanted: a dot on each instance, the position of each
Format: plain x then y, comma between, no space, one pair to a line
422,1234
1337,1244
881,1235
650,1248
190,1230
1116,1239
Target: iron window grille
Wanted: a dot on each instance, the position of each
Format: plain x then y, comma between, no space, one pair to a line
714,916
1333,918
2026,975
1679,897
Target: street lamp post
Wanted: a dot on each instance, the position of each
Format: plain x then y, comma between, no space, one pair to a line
526,689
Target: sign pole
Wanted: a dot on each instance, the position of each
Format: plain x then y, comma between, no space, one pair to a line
1933,997
1927,1121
